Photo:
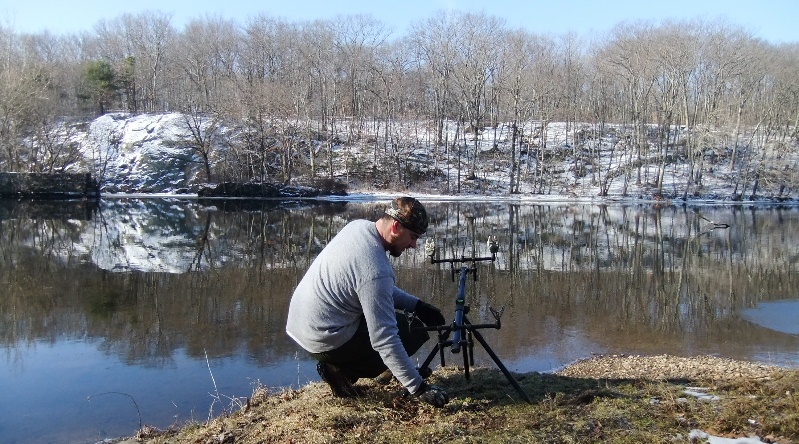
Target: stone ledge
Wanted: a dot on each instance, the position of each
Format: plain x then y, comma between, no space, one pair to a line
48,185
264,190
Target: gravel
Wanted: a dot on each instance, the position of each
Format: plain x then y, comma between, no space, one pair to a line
663,367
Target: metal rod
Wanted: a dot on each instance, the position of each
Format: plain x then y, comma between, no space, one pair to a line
501,366
460,303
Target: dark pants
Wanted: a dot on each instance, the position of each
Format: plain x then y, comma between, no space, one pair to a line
357,359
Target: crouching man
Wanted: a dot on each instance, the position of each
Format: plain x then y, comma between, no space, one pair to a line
344,310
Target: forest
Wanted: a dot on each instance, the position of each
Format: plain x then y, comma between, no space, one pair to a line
273,100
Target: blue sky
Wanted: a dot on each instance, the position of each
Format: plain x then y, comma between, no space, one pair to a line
771,20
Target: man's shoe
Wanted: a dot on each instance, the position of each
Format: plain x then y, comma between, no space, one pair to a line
338,382
425,372
384,378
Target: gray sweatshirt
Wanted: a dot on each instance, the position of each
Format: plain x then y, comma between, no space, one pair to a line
352,276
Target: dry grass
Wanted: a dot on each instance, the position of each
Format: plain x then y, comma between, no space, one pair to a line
486,409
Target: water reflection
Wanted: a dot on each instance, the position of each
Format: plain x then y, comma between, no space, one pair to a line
156,295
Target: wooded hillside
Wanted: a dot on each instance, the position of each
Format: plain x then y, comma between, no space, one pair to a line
289,88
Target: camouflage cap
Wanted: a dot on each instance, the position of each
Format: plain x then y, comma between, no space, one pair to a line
410,213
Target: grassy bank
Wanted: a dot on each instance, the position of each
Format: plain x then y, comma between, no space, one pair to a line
609,399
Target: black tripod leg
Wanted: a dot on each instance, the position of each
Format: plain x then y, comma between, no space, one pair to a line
465,350
501,366
429,359
439,348
470,343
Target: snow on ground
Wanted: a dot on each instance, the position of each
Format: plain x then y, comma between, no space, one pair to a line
154,153
696,435
598,168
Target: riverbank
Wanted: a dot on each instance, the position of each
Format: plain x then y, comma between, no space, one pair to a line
620,399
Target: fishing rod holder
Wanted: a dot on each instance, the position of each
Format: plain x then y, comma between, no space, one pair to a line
463,332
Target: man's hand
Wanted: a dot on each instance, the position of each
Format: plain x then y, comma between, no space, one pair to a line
429,314
433,395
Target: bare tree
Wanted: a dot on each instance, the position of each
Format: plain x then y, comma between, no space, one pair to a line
677,56
475,63
518,59
205,134
30,104
434,40
201,54
390,88
357,39
149,37
628,55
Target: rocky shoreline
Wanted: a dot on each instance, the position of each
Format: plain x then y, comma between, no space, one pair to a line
60,186
48,186
666,367
267,190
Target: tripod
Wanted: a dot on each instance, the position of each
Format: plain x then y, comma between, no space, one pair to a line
464,332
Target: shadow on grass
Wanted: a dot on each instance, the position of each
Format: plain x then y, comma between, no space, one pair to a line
488,384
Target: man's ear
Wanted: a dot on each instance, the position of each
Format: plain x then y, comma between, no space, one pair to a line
395,226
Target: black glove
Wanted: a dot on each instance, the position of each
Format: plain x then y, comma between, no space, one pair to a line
433,395
430,315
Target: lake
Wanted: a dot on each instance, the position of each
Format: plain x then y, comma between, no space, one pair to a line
132,311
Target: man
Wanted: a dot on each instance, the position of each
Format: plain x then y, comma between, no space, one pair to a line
344,310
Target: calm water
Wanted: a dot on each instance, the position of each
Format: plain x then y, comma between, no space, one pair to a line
161,311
